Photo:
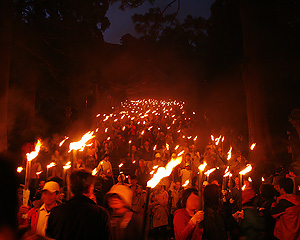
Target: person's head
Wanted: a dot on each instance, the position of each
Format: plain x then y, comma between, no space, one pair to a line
237,181
195,182
190,199
119,199
50,193
142,163
187,166
42,183
267,191
56,152
139,189
133,148
187,157
286,186
106,157
82,182
134,180
79,160
146,143
212,195
177,185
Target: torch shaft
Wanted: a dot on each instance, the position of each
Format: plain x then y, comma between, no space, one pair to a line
145,222
200,183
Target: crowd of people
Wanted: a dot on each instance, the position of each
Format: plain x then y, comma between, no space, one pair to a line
110,198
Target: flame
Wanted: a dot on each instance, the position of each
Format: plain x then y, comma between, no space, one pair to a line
223,138
94,172
252,146
38,173
133,161
208,172
229,154
51,165
98,115
262,179
217,140
167,146
130,141
195,138
177,146
243,187
246,170
67,165
20,169
212,138
179,154
121,165
154,148
106,129
34,154
186,183
202,166
97,130
155,167
163,172
226,173
63,141
82,143
249,179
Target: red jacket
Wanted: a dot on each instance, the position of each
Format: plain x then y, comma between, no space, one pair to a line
286,210
183,230
31,219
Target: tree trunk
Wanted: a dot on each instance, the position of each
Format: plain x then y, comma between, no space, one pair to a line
253,77
5,57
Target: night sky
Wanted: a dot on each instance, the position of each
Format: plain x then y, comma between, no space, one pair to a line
121,22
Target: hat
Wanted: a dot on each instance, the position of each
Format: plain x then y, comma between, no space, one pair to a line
51,186
187,164
247,195
124,192
157,155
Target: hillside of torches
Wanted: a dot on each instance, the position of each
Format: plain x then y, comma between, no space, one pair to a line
143,114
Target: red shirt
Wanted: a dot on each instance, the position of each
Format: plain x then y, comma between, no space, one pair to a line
183,230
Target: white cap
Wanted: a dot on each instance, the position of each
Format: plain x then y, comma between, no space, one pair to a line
124,192
51,187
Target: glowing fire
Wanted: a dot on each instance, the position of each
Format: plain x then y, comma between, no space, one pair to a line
63,141
223,138
202,166
154,148
20,169
179,154
249,179
243,187
208,172
195,138
38,173
212,138
163,172
262,179
246,170
82,143
217,140
121,165
94,172
67,165
177,146
229,154
34,154
167,146
252,146
50,165
186,183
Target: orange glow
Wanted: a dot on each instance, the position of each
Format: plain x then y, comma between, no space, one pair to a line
229,154
186,183
63,141
208,172
34,154
262,179
246,170
67,165
94,172
20,169
163,172
195,138
252,146
243,187
82,143
50,165
249,179
202,166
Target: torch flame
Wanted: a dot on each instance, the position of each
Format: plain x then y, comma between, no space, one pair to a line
195,138
179,154
94,172
243,187
121,165
82,143
67,166
217,140
229,154
186,183
177,146
154,148
223,138
212,138
246,170
63,141
163,172
167,146
51,165
252,146
19,169
208,172
38,173
202,166
34,154
249,179
262,179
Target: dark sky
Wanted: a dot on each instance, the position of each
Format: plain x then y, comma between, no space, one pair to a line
121,20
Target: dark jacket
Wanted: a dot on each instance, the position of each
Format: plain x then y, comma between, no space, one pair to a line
79,218
213,225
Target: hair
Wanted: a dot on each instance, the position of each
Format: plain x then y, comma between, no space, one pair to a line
287,184
133,177
188,154
185,195
81,180
267,191
211,195
141,161
106,155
